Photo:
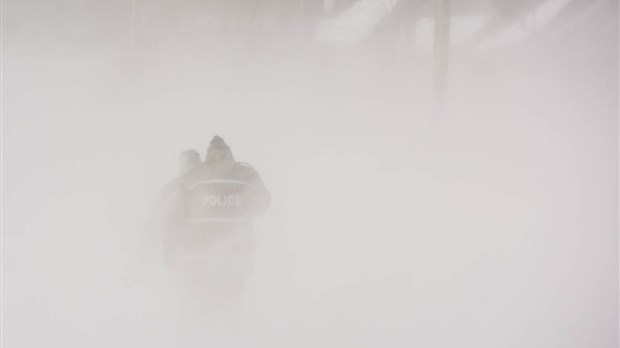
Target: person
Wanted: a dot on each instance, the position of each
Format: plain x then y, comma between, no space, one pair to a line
159,222
222,189
217,203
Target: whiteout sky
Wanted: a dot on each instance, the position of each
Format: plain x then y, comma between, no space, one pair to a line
491,221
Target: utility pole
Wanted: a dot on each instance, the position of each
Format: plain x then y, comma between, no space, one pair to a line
441,48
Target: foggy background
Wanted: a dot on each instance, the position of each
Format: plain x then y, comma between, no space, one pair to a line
488,221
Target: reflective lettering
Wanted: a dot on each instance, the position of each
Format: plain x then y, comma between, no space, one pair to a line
219,200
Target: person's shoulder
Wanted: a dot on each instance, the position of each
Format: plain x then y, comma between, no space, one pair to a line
245,165
172,184
170,187
194,174
246,170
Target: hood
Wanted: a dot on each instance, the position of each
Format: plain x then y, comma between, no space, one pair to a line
187,160
219,151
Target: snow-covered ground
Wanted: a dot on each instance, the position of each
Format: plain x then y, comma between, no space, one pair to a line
489,223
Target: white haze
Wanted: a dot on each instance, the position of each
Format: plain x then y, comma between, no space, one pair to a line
489,222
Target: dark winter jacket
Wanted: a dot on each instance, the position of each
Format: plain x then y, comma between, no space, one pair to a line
222,190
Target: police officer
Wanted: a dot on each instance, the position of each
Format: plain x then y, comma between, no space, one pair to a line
218,201
222,189
161,219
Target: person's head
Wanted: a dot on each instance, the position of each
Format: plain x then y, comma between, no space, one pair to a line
187,160
219,151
